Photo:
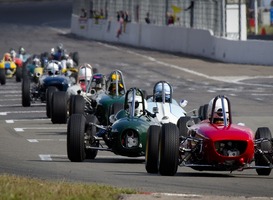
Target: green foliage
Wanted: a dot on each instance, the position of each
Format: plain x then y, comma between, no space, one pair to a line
16,188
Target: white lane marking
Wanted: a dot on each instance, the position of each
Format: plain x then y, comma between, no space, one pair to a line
10,100
12,105
254,94
39,128
48,157
228,79
8,92
11,121
22,112
177,195
46,140
45,157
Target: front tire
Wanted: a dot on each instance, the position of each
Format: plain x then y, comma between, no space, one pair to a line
76,104
26,92
75,138
2,76
59,107
151,155
19,74
168,149
49,94
264,159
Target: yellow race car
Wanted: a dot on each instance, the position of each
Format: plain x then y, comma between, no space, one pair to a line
7,69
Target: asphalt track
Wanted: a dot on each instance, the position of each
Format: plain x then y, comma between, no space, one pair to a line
31,145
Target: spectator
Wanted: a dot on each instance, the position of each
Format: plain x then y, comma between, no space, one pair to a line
83,13
147,18
121,20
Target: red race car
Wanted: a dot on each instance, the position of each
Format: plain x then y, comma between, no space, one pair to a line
213,144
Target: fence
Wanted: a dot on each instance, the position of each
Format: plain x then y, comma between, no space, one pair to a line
201,14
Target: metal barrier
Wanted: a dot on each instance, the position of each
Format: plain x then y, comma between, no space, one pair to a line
201,14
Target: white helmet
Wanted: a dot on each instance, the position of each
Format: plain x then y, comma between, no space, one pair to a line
139,110
85,73
221,105
158,92
52,68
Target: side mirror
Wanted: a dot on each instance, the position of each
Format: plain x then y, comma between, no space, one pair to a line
183,103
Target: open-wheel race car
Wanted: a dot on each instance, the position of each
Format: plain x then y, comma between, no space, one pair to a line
52,80
125,137
214,144
9,68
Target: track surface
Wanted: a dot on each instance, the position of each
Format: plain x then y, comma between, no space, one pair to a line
31,145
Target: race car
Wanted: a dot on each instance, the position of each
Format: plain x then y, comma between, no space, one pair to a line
214,144
52,80
8,69
61,100
125,137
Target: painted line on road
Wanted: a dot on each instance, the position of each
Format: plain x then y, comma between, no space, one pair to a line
10,100
45,140
39,128
226,79
48,157
11,121
12,105
22,112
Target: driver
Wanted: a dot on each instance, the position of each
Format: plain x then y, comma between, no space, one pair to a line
158,93
115,79
218,115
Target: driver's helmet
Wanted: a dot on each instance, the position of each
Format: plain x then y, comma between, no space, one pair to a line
7,57
158,92
36,62
60,47
218,117
139,110
84,75
52,68
13,53
69,63
21,50
114,79
98,81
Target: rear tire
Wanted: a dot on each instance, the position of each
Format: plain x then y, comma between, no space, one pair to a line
26,92
75,138
49,93
59,107
266,147
19,74
182,125
168,149
151,156
76,104
2,76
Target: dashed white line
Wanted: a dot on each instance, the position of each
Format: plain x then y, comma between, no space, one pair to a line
39,128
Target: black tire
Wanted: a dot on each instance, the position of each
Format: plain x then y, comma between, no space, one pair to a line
266,147
26,99
2,76
76,104
75,138
19,74
181,124
76,58
92,153
152,144
49,93
59,107
168,149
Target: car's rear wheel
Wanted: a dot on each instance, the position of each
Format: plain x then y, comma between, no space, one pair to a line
168,150
76,104
92,153
152,143
19,74
49,94
59,107
264,158
75,138
26,92
2,76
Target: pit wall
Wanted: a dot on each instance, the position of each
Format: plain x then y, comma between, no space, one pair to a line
190,41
